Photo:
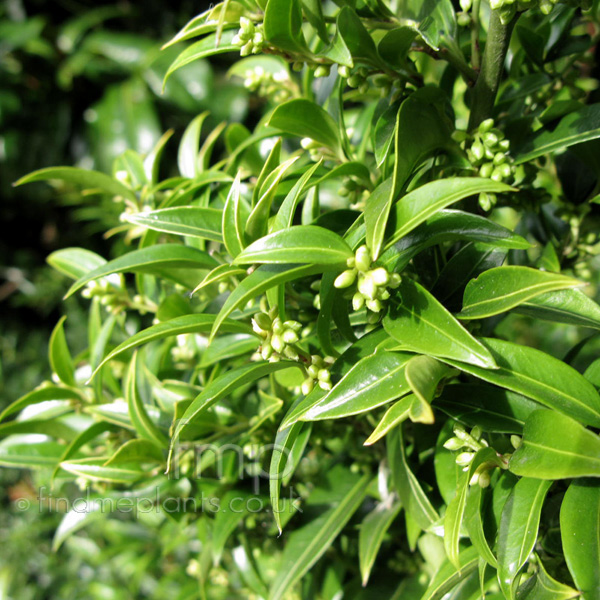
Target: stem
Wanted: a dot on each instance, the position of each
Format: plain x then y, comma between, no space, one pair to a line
486,88
475,49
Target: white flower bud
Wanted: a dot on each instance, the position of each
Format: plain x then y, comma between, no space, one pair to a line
290,336
380,276
358,301
345,279
453,444
366,286
374,305
465,458
362,259
277,343
307,386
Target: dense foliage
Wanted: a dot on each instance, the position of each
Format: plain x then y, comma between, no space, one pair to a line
364,322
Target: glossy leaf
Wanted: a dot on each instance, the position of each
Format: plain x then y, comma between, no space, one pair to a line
303,118
421,324
60,357
543,587
75,262
187,156
93,469
424,374
194,221
263,278
40,394
413,498
519,529
89,180
373,381
580,533
299,244
420,204
500,289
574,128
283,25
207,46
145,427
541,377
199,323
23,453
564,306
144,260
449,576
370,537
232,224
556,447
394,416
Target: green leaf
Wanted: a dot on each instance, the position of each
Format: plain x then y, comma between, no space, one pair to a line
298,244
283,25
262,279
177,326
502,288
420,204
207,46
580,533
147,260
543,587
356,37
492,408
222,386
424,374
145,427
304,118
394,415
93,469
136,451
218,274
194,221
76,519
89,180
257,223
474,522
564,306
421,324
556,447
41,394
519,529
414,500
371,382
370,536
75,262
579,126
307,544
285,215
187,155
279,462
60,357
233,222
455,512
377,209
541,377
395,44
448,576
20,452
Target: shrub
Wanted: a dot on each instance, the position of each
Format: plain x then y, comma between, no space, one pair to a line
326,325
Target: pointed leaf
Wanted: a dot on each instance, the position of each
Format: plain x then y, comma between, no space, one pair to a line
60,357
556,447
519,529
541,377
161,256
502,288
421,324
194,221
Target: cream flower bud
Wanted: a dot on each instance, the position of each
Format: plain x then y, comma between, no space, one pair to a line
277,343
307,386
453,444
465,458
363,259
290,336
345,279
366,286
380,276
358,301
374,305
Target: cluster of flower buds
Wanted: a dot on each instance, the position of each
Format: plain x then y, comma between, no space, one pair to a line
250,37
316,150
489,152
185,351
372,283
278,336
268,85
463,18
356,79
469,444
317,373
507,9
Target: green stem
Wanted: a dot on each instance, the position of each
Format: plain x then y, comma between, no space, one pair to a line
475,50
486,88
